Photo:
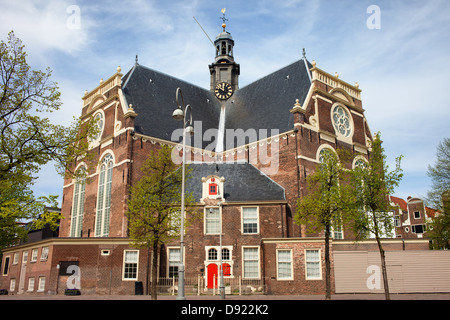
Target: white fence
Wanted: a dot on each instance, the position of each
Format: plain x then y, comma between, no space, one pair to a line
197,286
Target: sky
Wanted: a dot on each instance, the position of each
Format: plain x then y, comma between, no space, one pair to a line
398,52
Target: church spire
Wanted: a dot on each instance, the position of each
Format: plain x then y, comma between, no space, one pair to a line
224,69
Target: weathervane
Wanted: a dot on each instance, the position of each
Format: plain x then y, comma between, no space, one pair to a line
224,19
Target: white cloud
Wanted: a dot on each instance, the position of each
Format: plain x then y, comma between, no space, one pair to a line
43,27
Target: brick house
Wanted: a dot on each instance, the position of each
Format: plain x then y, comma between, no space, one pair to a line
411,217
252,150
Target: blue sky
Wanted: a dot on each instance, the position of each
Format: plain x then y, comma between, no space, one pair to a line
402,68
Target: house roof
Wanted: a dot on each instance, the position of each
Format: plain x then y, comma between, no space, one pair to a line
263,104
243,182
400,202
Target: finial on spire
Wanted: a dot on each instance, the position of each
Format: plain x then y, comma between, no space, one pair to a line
304,53
136,60
224,19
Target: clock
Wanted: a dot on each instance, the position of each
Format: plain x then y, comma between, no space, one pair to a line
223,91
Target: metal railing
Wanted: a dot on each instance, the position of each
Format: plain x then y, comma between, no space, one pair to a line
198,286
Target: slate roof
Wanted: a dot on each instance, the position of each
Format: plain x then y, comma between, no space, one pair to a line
263,104
152,95
243,182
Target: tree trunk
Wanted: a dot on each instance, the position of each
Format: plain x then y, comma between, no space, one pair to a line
154,270
384,269
327,262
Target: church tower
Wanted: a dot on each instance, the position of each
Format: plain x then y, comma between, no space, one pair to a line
224,71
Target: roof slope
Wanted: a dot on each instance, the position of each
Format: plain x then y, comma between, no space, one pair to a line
265,104
152,95
243,182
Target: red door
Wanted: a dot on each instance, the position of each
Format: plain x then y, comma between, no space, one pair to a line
212,275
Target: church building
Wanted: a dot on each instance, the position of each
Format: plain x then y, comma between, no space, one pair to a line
251,152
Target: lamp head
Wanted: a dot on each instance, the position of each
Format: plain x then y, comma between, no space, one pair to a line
178,114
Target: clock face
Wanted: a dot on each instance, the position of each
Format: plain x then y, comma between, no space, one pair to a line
223,90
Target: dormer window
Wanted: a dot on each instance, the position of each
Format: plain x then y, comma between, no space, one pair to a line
212,187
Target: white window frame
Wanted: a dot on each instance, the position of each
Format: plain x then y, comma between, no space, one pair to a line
125,262
168,259
16,258
34,255
104,196
257,220
44,253
205,228
243,262
7,264
414,215
320,264
290,263
25,256
41,284
31,284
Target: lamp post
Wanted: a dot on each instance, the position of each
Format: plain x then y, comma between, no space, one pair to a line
222,284
180,114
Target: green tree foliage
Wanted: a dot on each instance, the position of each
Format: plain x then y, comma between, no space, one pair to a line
438,197
327,203
440,175
154,206
373,183
29,140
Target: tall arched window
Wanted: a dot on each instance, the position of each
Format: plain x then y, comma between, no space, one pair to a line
76,223
104,197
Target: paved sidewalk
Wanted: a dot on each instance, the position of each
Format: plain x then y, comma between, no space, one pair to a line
234,298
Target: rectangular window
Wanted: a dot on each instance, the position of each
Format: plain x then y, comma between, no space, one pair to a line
174,262
212,189
284,265
25,257
313,266
418,228
31,284
397,222
130,264
41,284
16,258
34,255
250,220
251,263
44,254
416,215
6,266
212,221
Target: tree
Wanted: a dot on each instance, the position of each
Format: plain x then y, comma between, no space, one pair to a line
29,140
440,175
326,204
373,183
438,197
153,209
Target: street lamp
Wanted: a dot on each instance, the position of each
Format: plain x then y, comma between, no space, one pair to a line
180,114
222,284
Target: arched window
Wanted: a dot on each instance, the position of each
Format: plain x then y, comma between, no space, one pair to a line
76,222
104,197
212,254
225,254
